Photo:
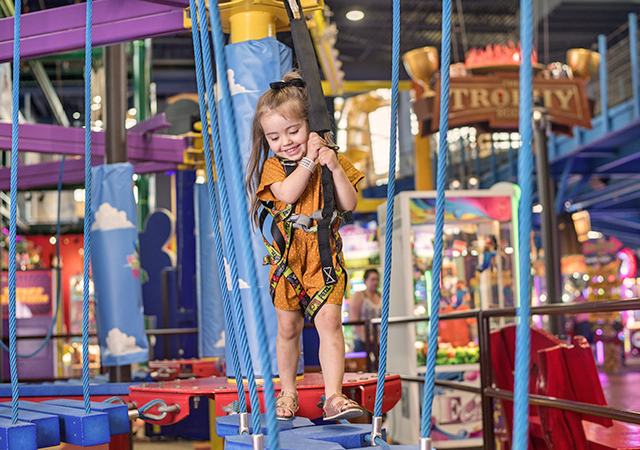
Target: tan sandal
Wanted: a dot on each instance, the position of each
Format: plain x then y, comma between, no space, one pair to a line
291,408
339,407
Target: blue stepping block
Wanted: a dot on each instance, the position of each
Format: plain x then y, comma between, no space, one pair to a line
348,435
118,413
76,427
47,426
19,436
229,425
286,443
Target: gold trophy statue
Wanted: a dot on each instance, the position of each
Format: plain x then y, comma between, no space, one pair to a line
583,62
421,64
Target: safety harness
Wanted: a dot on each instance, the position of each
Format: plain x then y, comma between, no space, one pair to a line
328,223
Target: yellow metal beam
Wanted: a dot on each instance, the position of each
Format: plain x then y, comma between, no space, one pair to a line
255,19
364,86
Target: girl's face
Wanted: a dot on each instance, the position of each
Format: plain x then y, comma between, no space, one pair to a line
286,137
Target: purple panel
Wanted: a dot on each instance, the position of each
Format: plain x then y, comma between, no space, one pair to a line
70,141
46,174
73,16
178,3
105,34
156,123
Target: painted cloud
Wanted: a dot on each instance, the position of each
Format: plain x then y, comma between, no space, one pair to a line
109,218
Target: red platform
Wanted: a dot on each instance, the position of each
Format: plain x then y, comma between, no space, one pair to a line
359,386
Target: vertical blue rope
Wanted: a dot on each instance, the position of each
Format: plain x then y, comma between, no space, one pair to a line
197,49
228,122
87,209
391,190
525,167
434,318
228,232
15,114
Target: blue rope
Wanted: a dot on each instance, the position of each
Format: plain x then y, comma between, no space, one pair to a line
391,190
434,317
13,363
197,48
525,165
87,209
228,122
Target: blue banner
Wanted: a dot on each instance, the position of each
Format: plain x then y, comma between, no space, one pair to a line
211,321
252,66
115,265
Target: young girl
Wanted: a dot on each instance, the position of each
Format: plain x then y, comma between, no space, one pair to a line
281,124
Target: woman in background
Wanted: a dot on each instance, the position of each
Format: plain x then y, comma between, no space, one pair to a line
365,305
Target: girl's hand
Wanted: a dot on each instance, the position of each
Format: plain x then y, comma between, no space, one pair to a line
314,144
327,157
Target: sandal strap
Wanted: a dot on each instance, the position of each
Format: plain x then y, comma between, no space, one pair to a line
293,396
343,402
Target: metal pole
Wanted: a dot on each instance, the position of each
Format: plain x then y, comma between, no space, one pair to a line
484,337
545,195
115,65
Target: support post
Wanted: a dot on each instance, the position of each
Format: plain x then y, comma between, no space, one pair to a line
633,49
604,94
116,107
548,222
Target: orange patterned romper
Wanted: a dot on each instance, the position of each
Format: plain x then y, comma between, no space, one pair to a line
304,257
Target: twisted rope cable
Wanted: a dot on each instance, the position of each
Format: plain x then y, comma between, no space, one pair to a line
15,112
197,48
228,122
434,314
228,232
87,210
391,190
525,166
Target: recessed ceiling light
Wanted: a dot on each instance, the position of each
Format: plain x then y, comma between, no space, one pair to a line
355,15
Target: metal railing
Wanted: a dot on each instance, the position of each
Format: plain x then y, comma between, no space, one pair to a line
489,392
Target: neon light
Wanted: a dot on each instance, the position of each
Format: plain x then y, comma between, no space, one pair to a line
600,352
629,265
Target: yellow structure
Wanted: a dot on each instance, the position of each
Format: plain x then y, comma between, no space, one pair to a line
255,19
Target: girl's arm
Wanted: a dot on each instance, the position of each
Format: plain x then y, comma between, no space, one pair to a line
290,190
346,195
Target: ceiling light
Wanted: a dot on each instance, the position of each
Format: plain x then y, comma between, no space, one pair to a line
355,15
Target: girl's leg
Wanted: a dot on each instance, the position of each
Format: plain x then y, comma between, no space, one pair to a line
328,322
290,324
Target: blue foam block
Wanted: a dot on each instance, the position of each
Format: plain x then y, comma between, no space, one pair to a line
76,427
286,443
118,413
47,426
19,436
229,425
348,435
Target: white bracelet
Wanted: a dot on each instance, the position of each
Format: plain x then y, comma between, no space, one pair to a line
308,164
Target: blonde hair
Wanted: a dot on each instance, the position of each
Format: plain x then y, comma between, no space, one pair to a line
290,102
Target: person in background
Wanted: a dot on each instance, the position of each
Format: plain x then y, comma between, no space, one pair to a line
365,305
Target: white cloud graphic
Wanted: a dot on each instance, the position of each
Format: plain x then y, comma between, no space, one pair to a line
221,341
109,218
234,87
241,283
118,343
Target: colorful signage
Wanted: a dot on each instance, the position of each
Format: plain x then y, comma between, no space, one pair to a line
494,100
33,294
